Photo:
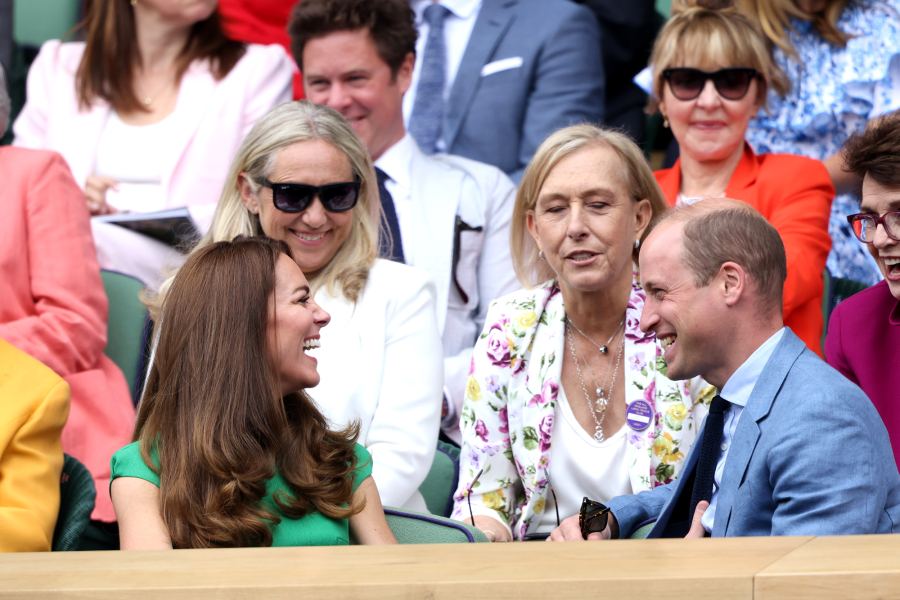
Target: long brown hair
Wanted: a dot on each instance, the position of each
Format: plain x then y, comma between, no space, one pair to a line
111,54
215,416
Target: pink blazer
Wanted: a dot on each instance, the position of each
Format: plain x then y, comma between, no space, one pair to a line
52,305
212,116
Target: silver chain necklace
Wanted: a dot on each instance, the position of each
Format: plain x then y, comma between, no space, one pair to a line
597,406
603,348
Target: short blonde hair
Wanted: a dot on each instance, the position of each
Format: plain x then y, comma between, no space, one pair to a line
283,126
698,35
565,142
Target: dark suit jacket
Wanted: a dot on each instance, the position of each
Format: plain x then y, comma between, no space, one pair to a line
552,78
810,456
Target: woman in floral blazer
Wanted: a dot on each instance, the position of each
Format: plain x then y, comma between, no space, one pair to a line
519,363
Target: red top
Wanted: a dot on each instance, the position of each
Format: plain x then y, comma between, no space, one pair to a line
794,194
260,22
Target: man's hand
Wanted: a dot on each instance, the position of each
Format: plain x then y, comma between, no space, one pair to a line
696,530
570,531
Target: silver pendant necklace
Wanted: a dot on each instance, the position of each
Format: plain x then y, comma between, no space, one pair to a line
602,348
597,407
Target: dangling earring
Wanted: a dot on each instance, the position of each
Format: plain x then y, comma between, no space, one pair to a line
665,119
637,244
541,254
134,2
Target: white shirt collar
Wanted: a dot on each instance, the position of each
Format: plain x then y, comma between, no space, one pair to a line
740,385
462,9
396,161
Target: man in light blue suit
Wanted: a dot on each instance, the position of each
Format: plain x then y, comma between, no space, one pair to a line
515,71
798,449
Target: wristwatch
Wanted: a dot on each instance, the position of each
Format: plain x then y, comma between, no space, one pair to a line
592,517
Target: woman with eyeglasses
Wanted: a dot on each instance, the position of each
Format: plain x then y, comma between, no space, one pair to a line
229,450
711,73
303,177
840,58
863,339
567,398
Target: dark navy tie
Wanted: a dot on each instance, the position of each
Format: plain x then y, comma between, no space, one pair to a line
428,107
389,222
710,449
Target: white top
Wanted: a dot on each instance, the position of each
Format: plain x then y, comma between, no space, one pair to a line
581,466
380,363
458,26
737,392
134,156
396,162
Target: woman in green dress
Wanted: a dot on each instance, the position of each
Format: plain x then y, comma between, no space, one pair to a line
226,451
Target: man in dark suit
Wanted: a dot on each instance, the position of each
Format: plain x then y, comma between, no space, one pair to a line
790,446
511,73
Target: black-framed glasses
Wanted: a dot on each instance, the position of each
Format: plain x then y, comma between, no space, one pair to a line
592,517
865,224
732,83
296,197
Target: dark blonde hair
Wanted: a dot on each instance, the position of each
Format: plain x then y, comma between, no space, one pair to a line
639,181
697,35
111,54
214,413
774,18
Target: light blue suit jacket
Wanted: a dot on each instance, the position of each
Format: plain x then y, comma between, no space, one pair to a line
810,456
543,72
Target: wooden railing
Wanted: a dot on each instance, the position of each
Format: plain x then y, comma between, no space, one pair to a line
761,568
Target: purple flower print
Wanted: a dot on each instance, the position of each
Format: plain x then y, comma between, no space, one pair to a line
498,346
504,420
650,392
481,430
493,384
546,428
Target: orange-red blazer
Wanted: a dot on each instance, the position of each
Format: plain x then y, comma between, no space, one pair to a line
53,307
794,194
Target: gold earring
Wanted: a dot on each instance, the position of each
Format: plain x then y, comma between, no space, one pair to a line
134,2
665,119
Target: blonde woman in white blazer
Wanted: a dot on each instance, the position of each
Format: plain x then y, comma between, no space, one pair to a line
380,358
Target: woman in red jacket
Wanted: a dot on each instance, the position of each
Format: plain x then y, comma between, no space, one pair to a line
711,73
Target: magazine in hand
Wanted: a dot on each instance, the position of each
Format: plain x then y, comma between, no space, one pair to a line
173,227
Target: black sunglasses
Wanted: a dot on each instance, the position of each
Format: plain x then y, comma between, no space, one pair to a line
296,197
731,84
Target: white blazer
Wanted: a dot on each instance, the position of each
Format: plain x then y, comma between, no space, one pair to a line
380,364
460,236
212,116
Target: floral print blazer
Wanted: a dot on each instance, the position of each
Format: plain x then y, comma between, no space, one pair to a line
510,404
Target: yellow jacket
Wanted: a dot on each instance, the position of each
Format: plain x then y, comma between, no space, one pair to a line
34,404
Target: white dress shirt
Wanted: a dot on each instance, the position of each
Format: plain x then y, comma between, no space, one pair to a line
737,391
458,26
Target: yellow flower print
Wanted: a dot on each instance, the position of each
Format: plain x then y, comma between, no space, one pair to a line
494,500
663,445
673,457
677,413
539,506
526,320
473,390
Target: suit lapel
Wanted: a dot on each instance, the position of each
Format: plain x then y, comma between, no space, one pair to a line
492,22
434,190
747,433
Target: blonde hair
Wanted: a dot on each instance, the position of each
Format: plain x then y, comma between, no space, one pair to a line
697,35
283,126
774,18
640,182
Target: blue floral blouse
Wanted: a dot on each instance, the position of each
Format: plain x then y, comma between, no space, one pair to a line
834,92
